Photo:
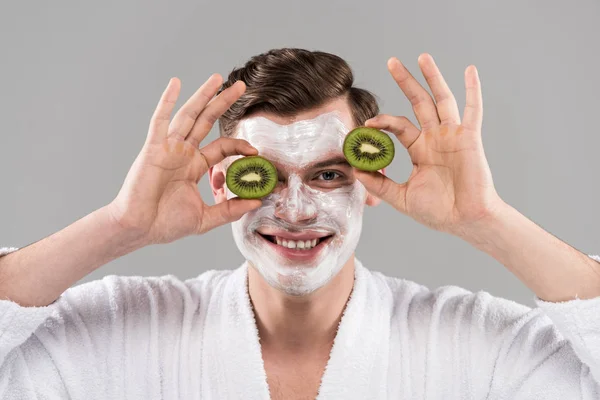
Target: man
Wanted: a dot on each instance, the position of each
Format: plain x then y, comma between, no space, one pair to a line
299,321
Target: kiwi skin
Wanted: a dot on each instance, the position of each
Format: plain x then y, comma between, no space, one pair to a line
374,137
251,190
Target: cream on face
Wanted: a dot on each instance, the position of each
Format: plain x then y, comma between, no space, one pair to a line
309,226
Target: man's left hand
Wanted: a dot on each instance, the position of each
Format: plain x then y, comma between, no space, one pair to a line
450,188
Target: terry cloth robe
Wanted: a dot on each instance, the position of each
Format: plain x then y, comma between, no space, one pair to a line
163,338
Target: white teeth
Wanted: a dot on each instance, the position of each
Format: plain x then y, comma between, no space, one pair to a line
297,244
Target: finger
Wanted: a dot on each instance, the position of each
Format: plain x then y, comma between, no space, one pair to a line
214,110
445,102
421,101
384,188
218,150
405,131
225,212
159,123
186,117
473,114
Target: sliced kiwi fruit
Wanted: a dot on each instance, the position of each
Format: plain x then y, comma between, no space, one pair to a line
251,177
368,149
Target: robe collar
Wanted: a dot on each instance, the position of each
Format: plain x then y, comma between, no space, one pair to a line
233,367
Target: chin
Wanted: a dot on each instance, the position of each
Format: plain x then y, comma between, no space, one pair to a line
299,283
298,278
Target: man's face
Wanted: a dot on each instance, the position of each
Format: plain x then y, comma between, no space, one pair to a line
309,226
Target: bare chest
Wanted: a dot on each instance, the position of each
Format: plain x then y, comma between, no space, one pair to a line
292,380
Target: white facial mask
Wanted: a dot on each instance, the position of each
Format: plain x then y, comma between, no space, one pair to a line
296,208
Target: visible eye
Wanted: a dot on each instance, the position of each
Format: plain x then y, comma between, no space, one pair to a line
328,175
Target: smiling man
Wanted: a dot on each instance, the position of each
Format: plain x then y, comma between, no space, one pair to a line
308,228
302,317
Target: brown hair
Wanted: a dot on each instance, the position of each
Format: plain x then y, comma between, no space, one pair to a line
289,80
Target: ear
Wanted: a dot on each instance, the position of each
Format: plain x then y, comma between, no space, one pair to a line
372,200
216,178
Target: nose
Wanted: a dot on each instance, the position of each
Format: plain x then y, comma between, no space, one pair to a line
296,204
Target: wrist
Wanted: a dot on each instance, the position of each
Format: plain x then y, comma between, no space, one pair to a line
128,236
484,232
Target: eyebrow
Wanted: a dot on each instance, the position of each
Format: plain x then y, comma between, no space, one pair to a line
332,161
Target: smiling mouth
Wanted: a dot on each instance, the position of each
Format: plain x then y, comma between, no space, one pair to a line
298,245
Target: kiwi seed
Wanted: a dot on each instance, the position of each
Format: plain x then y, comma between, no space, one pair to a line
251,177
368,149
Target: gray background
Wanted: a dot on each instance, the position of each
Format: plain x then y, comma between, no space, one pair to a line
80,81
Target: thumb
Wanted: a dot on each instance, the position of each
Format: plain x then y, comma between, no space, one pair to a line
225,212
384,188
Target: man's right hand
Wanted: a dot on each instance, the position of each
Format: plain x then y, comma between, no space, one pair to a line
158,203
159,200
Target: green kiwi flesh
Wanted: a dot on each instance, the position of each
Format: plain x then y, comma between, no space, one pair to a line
251,177
368,149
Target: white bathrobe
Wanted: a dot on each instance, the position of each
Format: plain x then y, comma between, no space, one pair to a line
163,338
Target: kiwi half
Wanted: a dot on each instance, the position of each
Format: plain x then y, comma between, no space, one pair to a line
368,149
251,177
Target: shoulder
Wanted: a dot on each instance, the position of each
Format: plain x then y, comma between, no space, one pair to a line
414,301
136,297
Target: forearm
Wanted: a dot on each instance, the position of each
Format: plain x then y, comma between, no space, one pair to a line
551,268
39,273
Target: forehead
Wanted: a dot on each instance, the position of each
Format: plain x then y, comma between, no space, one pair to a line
339,105
299,143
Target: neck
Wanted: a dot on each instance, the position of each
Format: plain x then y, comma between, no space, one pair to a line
297,324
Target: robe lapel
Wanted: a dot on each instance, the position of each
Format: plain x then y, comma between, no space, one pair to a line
232,362
358,365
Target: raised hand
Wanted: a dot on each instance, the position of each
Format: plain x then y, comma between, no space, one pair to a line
160,199
450,187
